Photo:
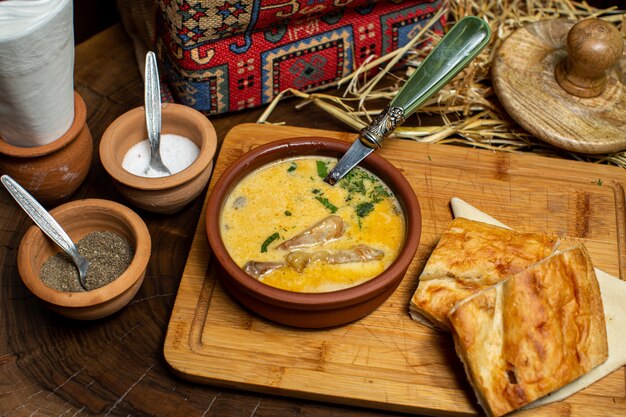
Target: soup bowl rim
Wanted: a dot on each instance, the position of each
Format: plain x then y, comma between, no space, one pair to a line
302,146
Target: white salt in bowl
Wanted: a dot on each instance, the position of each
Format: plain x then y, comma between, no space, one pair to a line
167,194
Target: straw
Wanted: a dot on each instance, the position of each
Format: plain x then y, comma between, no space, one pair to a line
468,107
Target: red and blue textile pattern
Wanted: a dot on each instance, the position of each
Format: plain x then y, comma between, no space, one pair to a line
226,55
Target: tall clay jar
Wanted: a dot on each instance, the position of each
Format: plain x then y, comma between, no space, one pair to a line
52,172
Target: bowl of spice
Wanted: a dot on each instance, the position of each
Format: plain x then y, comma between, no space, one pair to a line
115,241
188,145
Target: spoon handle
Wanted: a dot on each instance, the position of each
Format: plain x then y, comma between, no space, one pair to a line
454,52
42,218
152,102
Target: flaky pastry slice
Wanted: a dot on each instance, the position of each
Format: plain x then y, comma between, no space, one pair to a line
532,333
469,257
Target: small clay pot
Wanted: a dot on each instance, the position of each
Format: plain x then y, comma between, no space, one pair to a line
167,194
52,172
310,310
79,218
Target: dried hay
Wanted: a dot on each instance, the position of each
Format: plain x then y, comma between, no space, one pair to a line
468,105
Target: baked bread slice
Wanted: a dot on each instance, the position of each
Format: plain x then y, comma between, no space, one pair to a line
532,333
469,257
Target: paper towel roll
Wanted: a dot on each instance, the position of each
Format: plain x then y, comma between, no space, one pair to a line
36,70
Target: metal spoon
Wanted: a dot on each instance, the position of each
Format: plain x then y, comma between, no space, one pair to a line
152,101
47,224
453,52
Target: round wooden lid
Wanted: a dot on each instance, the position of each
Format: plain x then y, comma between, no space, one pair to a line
564,82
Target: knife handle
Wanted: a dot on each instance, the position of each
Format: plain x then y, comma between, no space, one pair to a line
454,52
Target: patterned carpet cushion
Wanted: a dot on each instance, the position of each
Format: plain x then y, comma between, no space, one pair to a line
226,55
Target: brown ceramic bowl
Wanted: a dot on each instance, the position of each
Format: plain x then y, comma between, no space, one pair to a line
166,194
52,172
80,218
310,310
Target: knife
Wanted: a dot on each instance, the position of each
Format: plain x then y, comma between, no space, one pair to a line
454,52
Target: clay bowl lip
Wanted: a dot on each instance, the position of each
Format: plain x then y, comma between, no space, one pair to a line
78,123
312,301
120,285
136,117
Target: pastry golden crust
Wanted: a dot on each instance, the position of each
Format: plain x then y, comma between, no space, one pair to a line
469,257
532,333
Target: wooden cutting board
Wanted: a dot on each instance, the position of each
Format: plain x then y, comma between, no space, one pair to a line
386,360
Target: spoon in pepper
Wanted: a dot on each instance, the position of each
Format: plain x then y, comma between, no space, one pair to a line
152,102
48,225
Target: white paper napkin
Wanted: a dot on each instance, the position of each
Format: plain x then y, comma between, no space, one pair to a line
36,70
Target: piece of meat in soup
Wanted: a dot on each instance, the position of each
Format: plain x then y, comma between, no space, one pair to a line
330,228
256,268
360,253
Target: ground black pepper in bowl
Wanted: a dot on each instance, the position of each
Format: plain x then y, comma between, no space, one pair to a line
108,254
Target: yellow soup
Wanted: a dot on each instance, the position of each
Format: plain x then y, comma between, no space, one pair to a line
289,229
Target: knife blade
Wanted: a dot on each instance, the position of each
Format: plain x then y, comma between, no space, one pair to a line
454,52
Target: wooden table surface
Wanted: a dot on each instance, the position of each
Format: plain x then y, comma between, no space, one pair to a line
52,366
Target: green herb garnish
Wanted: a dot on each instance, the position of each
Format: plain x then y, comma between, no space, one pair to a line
330,206
322,169
287,213
364,190
292,167
354,181
363,209
378,193
269,240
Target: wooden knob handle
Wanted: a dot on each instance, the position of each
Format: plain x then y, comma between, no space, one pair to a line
593,46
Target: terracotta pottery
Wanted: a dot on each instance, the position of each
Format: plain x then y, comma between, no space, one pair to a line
310,310
80,218
166,194
52,172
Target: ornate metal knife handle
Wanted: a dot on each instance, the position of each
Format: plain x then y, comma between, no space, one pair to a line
381,127
455,50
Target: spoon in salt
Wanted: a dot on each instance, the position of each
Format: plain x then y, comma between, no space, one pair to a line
152,102
47,224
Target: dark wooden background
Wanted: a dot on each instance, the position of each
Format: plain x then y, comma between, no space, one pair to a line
52,366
